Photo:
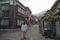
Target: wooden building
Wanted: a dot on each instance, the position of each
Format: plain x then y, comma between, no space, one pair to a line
14,13
56,12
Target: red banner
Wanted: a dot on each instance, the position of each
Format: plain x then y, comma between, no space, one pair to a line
29,17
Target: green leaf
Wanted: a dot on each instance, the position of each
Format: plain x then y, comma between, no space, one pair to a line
1,14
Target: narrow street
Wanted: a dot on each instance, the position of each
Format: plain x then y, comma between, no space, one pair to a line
41,16
32,34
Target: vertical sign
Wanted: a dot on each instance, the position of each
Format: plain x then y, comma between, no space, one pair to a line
11,2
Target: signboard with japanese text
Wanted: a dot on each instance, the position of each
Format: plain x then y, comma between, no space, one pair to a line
11,2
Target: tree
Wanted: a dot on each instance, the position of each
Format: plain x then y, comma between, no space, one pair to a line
49,16
1,16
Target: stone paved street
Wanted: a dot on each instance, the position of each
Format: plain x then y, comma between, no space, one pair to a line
32,34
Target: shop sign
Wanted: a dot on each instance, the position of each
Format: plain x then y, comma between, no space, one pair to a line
11,2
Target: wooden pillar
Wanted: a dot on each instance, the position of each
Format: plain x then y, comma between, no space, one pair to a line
12,16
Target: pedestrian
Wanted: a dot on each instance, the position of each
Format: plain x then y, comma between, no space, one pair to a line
24,29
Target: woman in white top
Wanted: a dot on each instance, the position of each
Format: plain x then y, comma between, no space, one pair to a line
24,29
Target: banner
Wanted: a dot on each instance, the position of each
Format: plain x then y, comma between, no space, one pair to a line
29,17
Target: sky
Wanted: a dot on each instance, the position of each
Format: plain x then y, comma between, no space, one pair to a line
37,6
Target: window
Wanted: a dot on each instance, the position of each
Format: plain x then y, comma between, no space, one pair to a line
4,22
19,22
21,10
5,7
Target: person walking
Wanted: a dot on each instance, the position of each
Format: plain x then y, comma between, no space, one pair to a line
24,29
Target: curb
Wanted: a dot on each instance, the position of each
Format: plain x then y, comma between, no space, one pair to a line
9,30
